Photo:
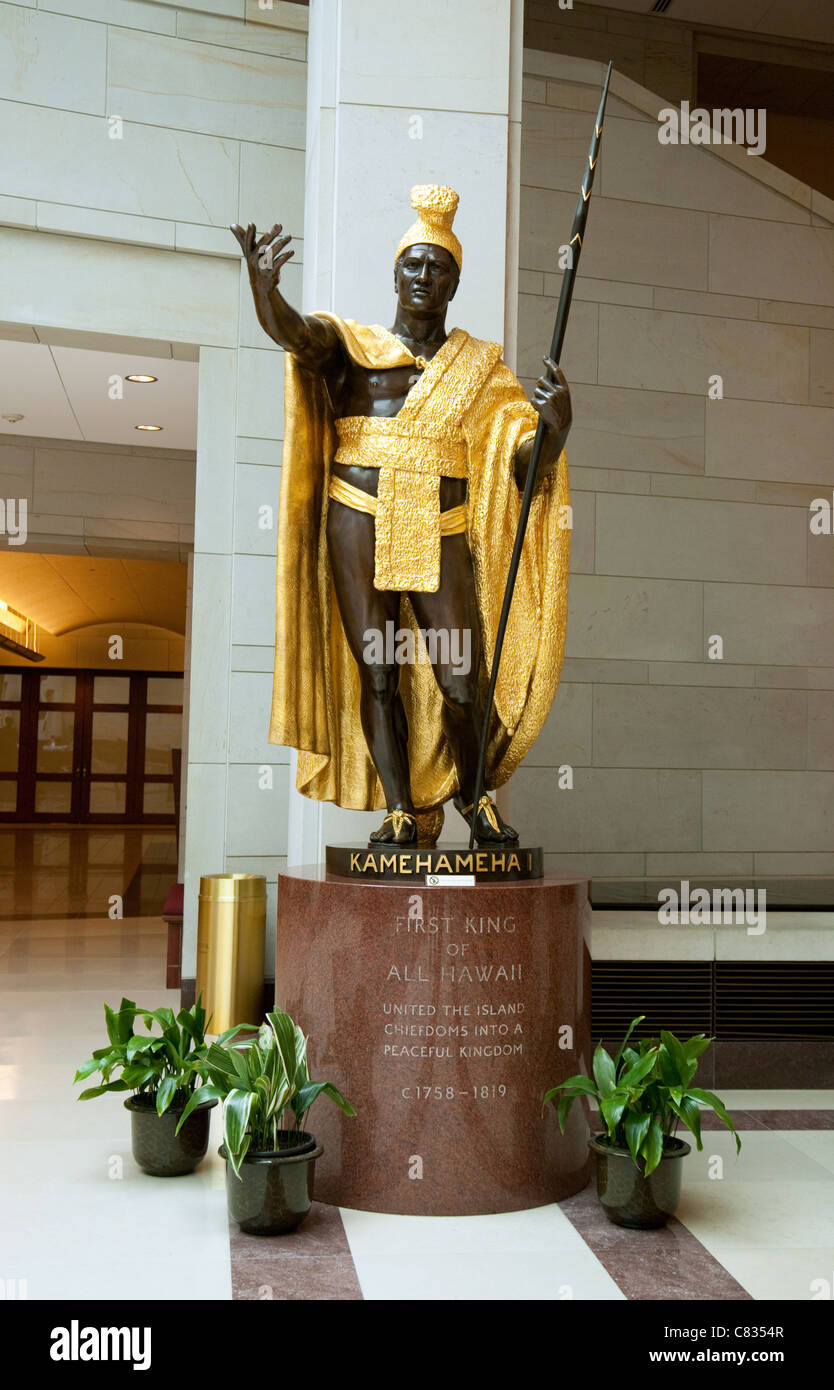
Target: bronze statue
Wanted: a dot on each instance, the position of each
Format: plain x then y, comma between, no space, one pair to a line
404,453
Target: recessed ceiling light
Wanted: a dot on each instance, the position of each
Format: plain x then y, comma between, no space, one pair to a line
12,419
140,377
153,428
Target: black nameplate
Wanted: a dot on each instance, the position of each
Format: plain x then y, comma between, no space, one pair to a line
499,863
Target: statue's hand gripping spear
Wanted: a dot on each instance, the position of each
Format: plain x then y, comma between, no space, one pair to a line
568,279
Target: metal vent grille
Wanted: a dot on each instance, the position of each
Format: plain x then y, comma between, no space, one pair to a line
774,999
672,994
727,999
660,6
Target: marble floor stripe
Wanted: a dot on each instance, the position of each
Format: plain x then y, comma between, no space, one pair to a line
651,1265
313,1263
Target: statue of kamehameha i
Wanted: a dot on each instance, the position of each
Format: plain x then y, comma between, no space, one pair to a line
404,453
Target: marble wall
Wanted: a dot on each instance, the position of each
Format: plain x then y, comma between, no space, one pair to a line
691,514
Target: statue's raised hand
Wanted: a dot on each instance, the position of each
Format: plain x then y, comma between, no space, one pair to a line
264,255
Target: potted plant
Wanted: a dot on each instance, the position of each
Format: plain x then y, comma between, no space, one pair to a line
643,1094
269,1166
162,1070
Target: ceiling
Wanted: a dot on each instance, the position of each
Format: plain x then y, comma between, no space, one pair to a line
64,592
812,20
65,393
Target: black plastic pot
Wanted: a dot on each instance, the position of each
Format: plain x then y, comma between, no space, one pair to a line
275,1189
156,1148
628,1197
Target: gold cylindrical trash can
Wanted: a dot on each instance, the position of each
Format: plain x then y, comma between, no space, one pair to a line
231,927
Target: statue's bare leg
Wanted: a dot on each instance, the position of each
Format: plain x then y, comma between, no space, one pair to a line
452,616
364,610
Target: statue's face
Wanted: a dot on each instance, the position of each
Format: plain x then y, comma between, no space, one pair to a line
425,278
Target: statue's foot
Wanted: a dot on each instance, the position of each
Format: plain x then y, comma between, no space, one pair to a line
398,828
490,827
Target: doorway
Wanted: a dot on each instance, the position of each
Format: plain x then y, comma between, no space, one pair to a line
85,747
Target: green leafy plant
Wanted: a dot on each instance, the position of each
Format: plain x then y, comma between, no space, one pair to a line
644,1093
164,1067
259,1084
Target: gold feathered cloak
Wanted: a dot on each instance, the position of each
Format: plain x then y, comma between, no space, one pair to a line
315,703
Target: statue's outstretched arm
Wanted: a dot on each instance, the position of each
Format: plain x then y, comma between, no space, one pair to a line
313,341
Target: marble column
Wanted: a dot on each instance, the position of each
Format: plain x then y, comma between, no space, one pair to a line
378,122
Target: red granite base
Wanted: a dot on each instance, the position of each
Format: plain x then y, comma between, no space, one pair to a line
444,1014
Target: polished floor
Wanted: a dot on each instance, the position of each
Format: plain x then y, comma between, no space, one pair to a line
76,871
78,1218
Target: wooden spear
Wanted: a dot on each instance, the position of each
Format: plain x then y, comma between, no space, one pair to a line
568,280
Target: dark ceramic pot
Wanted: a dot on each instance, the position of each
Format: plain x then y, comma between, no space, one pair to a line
156,1148
630,1199
275,1189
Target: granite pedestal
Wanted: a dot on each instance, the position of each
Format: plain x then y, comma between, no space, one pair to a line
444,1014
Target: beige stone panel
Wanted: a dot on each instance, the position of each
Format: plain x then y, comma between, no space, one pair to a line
133,14
63,157
17,467
115,529
821,560
105,226
573,97
639,242
283,14
554,149
815,315
529,281
210,642
250,704
263,451
700,673
620,672
260,410
256,817
786,494
205,241
539,62
771,260
728,306
647,430
566,736
754,439
283,42
821,730
685,538
636,166
608,480
256,509
205,837
595,865
787,936
272,189
253,600
691,726
469,47
611,810
796,863
534,89
765,622
694,864
78,482
204,87
822,366
50,60
680,352
18,212
714,489
638,942
782,677
634,619
536,318
604,291
775,811
253,658
628,53
582,534
214,505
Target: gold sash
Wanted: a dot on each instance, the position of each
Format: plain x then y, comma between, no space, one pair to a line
413,450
